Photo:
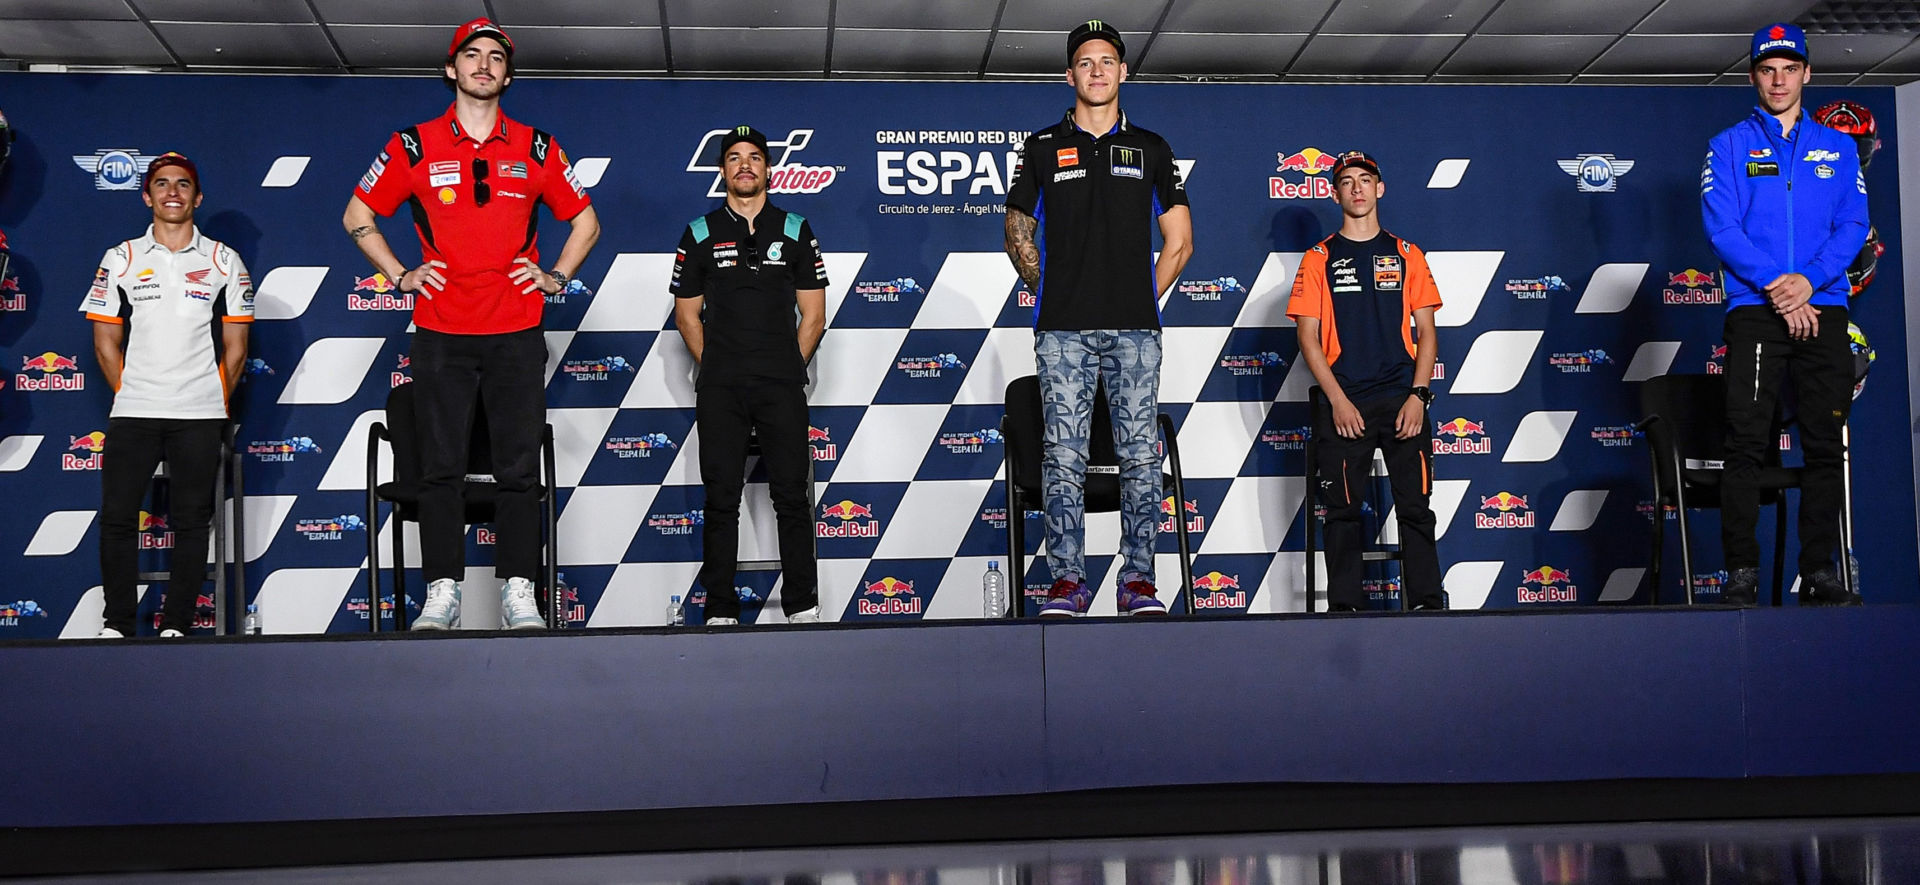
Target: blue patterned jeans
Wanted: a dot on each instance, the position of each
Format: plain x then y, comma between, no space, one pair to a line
1070,363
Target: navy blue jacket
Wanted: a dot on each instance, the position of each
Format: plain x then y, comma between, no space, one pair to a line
1776,205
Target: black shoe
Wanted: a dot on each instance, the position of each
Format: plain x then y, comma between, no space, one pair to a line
1742,587
1823,588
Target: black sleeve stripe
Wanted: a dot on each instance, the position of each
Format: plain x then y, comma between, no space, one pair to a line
541,142
410,141
126,306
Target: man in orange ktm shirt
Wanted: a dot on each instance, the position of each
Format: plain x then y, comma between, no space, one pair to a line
1365,300
474,179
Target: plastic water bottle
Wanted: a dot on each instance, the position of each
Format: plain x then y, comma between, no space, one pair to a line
252,627
993,590
676,614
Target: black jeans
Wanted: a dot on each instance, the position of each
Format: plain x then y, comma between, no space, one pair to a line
1346,467
134,447
1758,350
507,374
726,416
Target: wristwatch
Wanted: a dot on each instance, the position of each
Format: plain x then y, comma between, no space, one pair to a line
1425,394
560,278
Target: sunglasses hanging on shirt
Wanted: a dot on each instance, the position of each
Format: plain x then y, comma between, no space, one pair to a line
481,191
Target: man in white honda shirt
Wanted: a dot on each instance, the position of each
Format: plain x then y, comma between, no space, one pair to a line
170,311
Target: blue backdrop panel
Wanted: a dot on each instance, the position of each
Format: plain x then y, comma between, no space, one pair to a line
1560,293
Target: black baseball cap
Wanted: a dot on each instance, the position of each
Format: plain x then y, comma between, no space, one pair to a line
1353,159
743,133
1095,30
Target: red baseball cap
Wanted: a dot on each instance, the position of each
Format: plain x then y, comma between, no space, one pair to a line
170,158
479,27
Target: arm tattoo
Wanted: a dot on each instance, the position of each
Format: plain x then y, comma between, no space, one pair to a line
1021,247
362,231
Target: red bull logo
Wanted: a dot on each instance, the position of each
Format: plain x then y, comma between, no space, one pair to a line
1510,512
397,377
896,598
383,297
820,441
1458,437
93,444
154,534
16,302
1215,590
49,365
1547,584
853,521
1310,161
1196,523
1717,359
1692,286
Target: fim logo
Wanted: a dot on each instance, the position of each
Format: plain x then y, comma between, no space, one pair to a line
93,444
114,169
1548,584
1536,289
1286,439
154,534
850,521
12,612
1215,590
1310,161
50,367
676,523
1691,286
1251,364
1596,173
15,302
596,369
382,297
1716,359
929,366
1615,436
820,441
783,175
896,597
1196,523
1578,361
332,529
1461,437
283,449
969,441
1209,290
642,446
398,377
1510,512
888,290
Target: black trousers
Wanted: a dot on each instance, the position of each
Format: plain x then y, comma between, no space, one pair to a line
507,374
134,447
1758,351
726,416
1346,467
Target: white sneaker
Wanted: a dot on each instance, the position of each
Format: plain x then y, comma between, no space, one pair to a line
518,611
442,611
171,633
810,616
723,622
109,633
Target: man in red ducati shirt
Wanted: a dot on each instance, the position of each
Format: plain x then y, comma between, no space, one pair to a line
473,177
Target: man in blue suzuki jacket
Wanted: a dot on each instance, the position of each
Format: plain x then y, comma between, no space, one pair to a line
1786,208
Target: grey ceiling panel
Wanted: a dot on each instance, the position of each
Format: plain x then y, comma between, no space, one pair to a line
948,15
1378,55
1687,54
725,50
1853,53
1243,54
267,45
449,14
226,10
1566,16
1029,52
408,47
1406,16
628,14
1134,18
589,49
1498,54
1247,16
745,14
54,10
1644,80
1505,79
1906,61
1720,16
82,43
1883,80
856,49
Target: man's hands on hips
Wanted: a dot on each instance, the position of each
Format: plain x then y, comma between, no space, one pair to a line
1803,323
529,277
1346,419
1789,292
1411,420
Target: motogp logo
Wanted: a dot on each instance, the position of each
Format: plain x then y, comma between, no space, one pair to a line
783,176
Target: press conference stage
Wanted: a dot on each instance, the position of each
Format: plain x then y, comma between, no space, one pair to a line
330,748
